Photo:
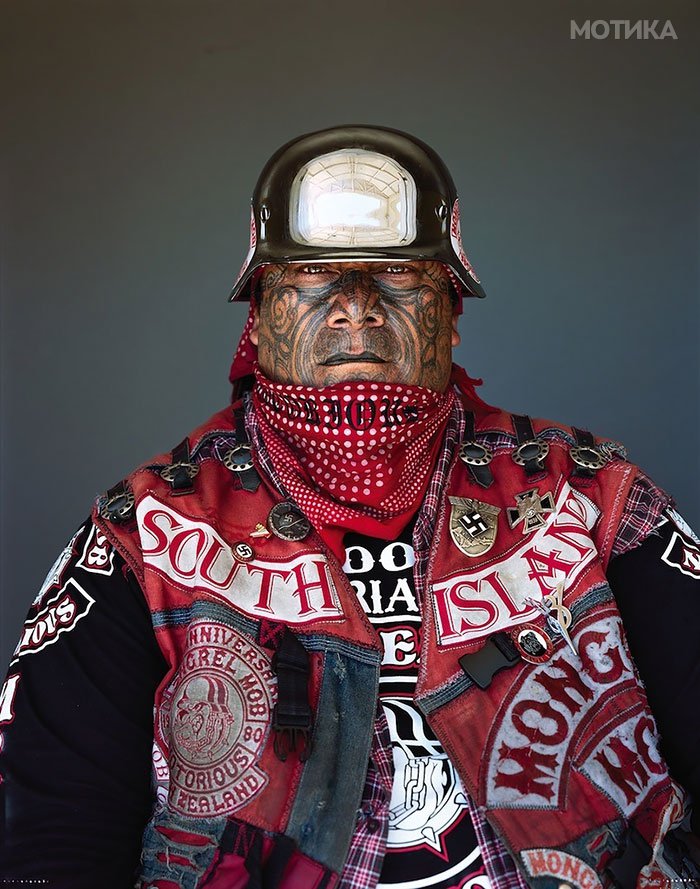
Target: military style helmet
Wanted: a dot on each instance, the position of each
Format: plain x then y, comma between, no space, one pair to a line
355,193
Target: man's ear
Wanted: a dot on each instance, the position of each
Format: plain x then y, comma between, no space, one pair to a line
456,338
256,326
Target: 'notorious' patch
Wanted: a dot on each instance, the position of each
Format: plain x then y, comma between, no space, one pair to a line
215,719
61,612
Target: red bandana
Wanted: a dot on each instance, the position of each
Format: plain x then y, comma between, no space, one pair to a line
355,456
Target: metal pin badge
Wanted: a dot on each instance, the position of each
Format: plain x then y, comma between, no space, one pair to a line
531,510
287,522
260,531
243,552
557,615
473,525
533,643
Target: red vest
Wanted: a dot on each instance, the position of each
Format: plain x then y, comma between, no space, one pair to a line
559,750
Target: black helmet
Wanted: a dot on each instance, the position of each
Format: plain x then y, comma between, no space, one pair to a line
355,193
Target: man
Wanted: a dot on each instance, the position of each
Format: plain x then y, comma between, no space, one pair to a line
358,628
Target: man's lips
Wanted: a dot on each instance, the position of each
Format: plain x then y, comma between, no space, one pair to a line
348,358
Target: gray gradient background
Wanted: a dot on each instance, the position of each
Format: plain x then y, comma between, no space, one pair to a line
133,133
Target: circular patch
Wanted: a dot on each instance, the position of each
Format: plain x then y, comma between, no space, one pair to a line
215,718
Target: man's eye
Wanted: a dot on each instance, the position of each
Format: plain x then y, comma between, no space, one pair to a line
397,269
316,269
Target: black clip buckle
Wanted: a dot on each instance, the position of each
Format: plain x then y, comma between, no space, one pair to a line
496,654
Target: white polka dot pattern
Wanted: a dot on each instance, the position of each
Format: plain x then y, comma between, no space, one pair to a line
353,453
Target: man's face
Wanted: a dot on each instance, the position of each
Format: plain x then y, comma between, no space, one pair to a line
392,322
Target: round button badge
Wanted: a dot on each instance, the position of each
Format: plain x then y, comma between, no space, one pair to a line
533,644
287,522
243,552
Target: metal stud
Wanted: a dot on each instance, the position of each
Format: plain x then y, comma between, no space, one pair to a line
534,450
239,458
587,457
172,470
474,454
119,507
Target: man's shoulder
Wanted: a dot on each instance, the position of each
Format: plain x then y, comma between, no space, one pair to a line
506,429
214,440
206,439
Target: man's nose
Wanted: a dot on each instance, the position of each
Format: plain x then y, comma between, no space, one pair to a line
356,303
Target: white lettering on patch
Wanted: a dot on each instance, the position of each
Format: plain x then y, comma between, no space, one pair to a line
98,555
683,555
194,556
7,699
529,750
60,614
627,763
473,605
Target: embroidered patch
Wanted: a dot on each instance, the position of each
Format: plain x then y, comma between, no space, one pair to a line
684,555
55,575
195,557
564,866
60,614
532,741
161,773
471,606
98,555
216,716
627,763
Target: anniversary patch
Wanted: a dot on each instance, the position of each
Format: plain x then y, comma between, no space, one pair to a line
215,719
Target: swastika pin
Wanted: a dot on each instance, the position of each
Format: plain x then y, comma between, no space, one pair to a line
473,525
288,522
243,552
